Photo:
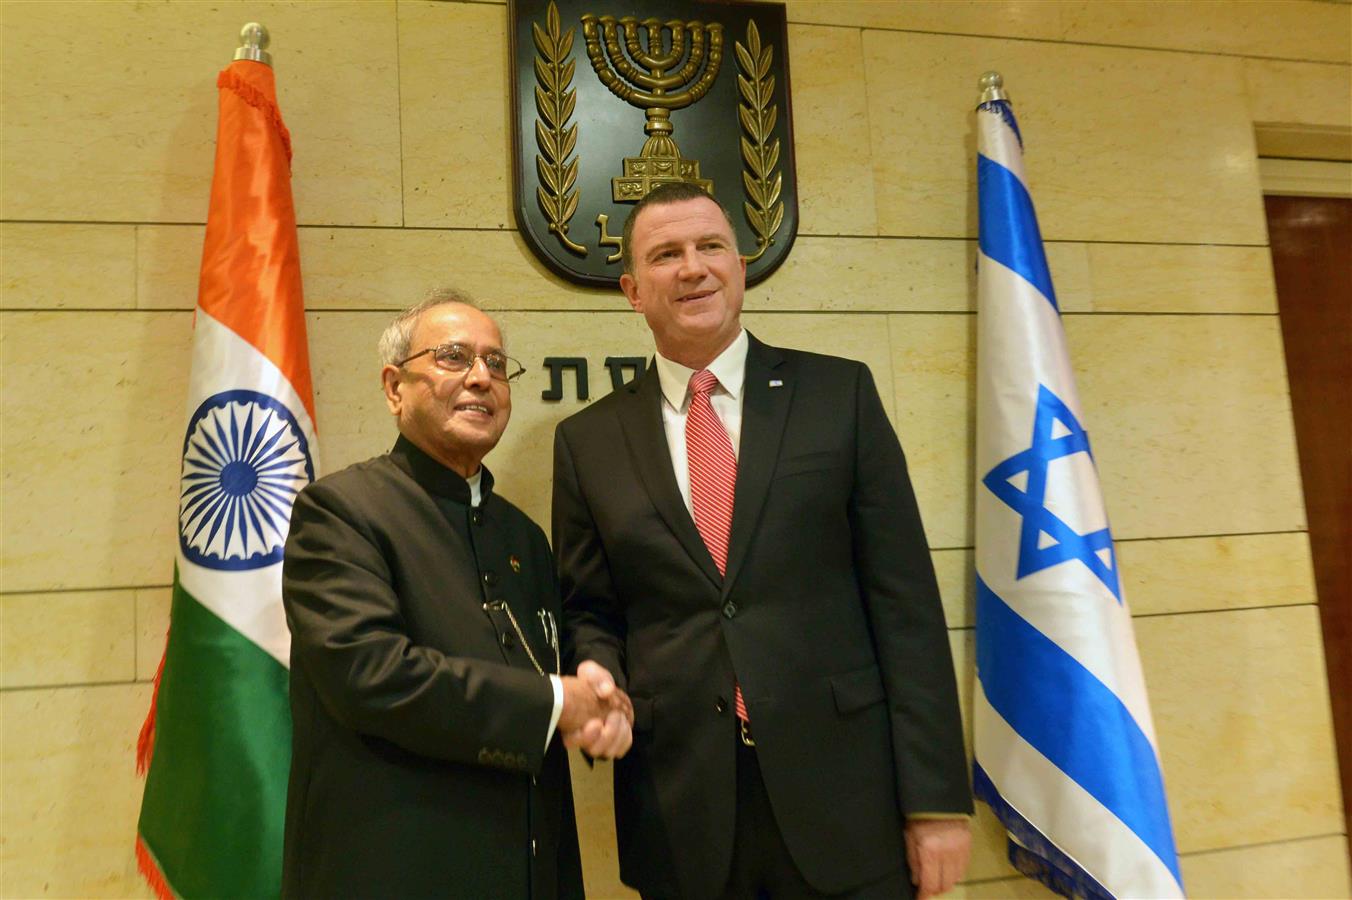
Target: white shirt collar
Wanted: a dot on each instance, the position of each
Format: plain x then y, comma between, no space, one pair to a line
729,367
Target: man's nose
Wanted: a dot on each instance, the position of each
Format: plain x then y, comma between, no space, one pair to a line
692,264
477,374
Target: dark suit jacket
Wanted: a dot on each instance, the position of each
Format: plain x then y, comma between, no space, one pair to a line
829,617
418,756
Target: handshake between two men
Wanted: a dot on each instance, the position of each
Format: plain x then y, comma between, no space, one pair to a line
597,716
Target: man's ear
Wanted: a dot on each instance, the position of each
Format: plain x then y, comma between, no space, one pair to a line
392,384
630,288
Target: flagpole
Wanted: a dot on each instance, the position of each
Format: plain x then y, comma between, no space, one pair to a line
992,86
216,745
1065,752
253,42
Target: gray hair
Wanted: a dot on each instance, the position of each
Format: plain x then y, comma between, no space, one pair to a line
395,339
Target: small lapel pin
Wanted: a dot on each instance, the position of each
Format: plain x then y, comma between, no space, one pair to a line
775,382
514,563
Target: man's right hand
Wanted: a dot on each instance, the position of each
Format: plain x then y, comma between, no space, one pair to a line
597,716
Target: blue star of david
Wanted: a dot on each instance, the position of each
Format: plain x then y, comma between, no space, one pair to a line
1031,502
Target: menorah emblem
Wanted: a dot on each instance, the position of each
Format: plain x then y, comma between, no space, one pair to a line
648,78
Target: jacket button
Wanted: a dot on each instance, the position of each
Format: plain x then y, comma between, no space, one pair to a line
477,517
721,705
506,639
729,609
490,578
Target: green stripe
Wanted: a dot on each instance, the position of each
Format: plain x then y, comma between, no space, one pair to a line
215,796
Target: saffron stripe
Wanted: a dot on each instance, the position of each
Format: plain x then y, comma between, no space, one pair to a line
1008,226
1069,716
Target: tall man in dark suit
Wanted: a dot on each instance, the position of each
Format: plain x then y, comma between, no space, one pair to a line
426,699
739,546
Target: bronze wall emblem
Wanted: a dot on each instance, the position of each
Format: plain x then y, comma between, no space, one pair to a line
612,98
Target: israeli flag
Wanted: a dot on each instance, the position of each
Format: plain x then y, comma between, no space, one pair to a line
1066,753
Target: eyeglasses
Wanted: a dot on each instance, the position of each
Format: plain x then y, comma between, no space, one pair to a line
459,359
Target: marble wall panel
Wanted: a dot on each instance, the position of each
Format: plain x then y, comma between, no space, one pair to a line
1315,868
378,268
1277,28
1014,19
592,793
95,129
1190,422
93,412
66,638
1241,708
954,570
830,132
1152,278
1177,575
1068,262
1171,160
1015,887
454,113
1272,28
933,366
1214,573
169,261
1299,93
869,274
71,791
64,266
152,629
384,268
923,275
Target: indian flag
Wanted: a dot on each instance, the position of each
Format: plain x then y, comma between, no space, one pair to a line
217,742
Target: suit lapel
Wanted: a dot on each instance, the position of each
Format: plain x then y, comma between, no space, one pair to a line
641,418
765,409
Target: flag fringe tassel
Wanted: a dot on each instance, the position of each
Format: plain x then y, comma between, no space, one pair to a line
1031,852
150,871
145,741
251,95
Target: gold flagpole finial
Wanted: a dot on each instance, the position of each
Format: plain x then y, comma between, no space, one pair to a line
992,86
253,42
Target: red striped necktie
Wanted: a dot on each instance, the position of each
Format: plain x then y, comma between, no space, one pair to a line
713,479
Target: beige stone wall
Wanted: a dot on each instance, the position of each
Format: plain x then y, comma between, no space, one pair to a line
1139,122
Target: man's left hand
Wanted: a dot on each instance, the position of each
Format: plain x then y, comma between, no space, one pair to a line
937,851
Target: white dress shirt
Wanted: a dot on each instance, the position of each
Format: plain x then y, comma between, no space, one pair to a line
729,367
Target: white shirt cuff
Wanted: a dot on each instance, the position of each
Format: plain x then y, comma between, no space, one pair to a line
557,682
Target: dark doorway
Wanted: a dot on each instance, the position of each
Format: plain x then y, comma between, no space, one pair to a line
1312,259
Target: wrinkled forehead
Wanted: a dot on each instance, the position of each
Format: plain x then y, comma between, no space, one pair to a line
456,323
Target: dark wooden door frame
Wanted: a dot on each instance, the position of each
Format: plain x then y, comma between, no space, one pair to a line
1311,241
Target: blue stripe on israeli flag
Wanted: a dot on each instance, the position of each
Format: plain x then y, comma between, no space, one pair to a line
1027,677
1066,753
1008,228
